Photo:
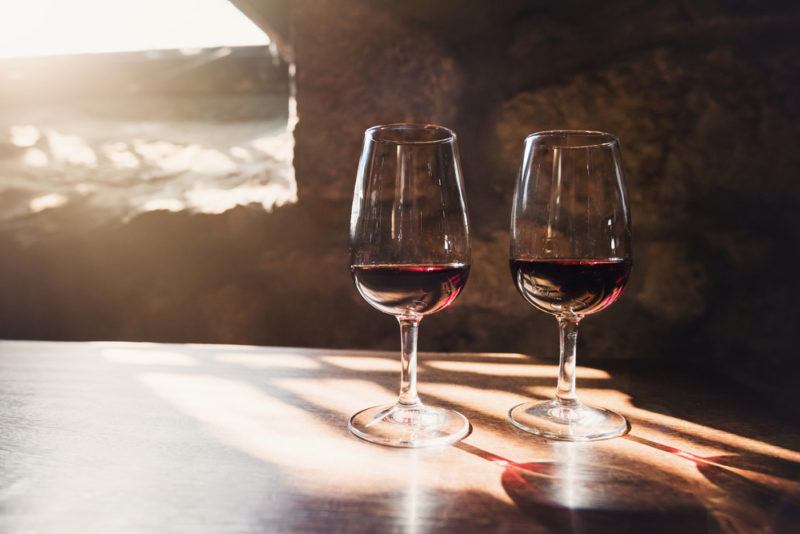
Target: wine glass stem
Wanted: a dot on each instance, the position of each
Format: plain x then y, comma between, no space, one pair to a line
408,360
568,327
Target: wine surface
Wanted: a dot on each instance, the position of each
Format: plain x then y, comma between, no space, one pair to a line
408,289
578,287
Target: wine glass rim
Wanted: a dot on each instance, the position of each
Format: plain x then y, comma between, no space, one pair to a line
447,135
604,138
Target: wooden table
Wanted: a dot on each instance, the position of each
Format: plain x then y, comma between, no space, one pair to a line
134,437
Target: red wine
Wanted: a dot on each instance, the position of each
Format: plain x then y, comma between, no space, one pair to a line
570,286
406,289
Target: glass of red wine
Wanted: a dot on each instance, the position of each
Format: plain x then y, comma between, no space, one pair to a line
570,257
409,257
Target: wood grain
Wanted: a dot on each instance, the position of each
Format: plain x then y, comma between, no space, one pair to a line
134,437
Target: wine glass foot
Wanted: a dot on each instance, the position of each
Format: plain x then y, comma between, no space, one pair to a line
418,425
556,419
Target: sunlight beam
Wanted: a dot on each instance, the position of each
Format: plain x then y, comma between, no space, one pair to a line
56,27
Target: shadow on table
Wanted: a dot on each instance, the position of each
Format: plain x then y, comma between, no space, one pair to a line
611,498
616,498
579,497
741,497
747,485
561,495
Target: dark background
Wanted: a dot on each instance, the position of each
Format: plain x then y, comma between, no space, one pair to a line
703,96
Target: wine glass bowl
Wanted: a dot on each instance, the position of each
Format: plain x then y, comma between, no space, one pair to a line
570,257
410,289
409,257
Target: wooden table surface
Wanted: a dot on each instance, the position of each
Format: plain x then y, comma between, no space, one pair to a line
135,437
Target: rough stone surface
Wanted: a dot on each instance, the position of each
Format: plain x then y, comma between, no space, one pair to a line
359,65
703,98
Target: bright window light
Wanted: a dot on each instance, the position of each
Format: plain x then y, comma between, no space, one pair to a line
56,27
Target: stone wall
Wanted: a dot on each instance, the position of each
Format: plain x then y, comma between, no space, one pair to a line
703,98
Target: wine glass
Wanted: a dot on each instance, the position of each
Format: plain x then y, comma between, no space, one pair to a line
409,257
570,257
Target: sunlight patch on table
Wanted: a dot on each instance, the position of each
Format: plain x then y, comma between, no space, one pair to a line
489,402
363,363
517,370
270,360
344,396
148,357
247,419
438,356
